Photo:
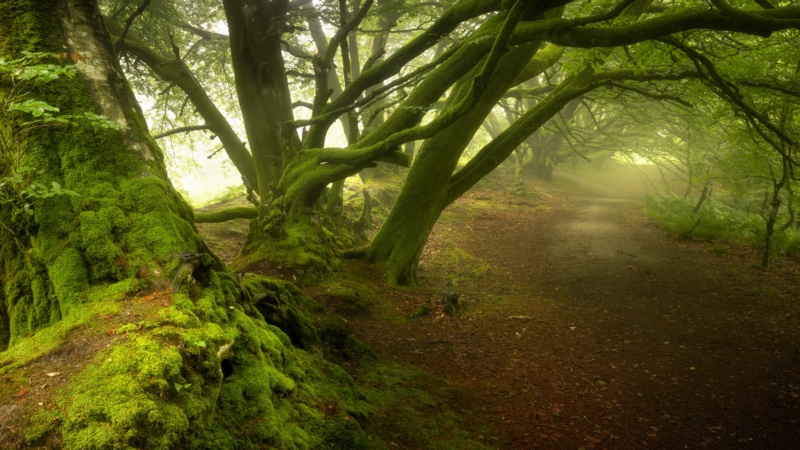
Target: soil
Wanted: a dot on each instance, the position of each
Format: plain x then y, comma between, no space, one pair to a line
586,326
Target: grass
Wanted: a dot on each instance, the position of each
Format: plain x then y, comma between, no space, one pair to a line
717,221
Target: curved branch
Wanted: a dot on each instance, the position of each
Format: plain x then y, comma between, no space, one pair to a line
771,87
380,71
727,92
205,34
565,32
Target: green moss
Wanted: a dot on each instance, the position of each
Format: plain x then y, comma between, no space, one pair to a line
347,297
118,399
309,325
406,409
225,215
299,248
69,278
127,328
161,385
24,349
118,290
454,256
155,231
96,231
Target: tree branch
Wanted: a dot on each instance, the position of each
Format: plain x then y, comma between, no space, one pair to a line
181,130
130,20
296,52
176,72
725,91
448,21
651,95
772,87
564,32
205,34
226,215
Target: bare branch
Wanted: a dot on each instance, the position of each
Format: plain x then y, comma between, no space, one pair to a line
130,20
205,34
296,52
652,95
181,130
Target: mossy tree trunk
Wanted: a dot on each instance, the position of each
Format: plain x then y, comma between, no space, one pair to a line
431,186
427,190
292,232
153,343
127,221
402,237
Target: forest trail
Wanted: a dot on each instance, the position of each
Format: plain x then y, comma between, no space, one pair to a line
586,326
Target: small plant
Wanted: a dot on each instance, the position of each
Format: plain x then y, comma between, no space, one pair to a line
27,195
33,67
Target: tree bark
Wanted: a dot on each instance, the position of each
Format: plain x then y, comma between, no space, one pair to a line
262,87
127,218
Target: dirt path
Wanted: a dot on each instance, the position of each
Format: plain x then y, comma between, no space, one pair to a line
587,327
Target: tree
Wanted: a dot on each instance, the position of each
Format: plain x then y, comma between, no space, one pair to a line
470,61
426,192
95,236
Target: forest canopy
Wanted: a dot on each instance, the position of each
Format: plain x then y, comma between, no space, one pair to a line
546,81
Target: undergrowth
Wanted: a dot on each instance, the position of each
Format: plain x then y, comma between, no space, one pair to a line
717,221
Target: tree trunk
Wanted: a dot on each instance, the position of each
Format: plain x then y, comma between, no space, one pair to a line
400,240
150,342
705,195
519,157
431,186
262,87
127,221
770,227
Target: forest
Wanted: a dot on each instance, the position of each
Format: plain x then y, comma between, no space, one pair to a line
452,224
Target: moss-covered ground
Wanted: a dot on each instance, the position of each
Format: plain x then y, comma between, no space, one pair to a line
181,370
